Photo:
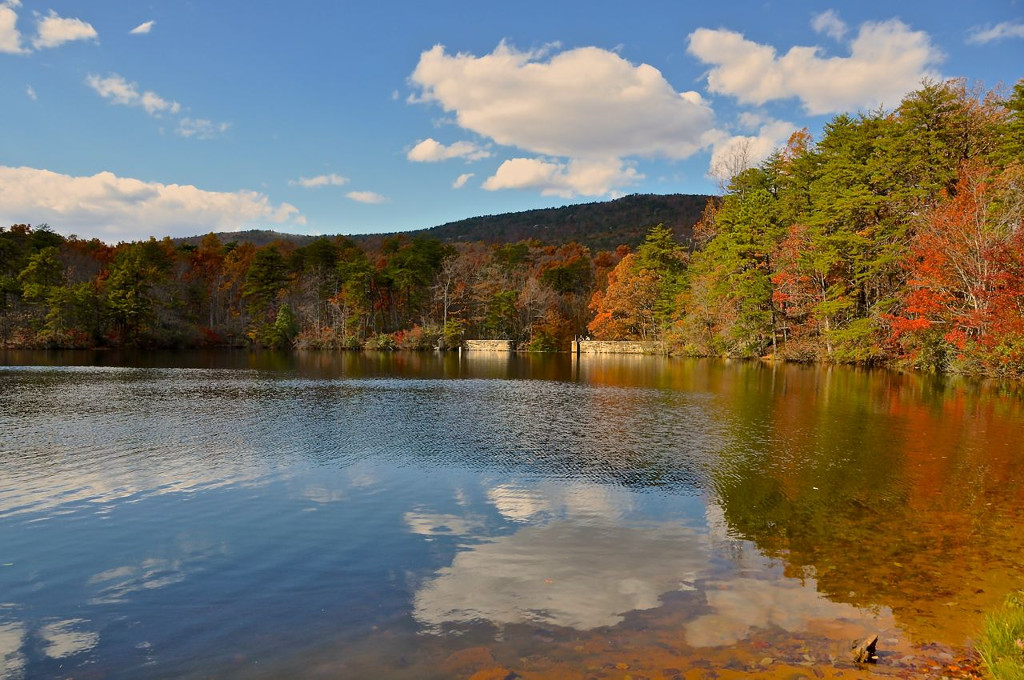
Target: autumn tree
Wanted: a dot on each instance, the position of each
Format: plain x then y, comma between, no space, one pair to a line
964,304
640,299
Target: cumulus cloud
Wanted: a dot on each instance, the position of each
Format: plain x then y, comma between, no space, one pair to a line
120,91
430,151
331,180
732,154
461,180
54,30
1002,31
10,37
370,197
200,128
887,60
829,23
580,103
143,28
121,208
553,178
580,112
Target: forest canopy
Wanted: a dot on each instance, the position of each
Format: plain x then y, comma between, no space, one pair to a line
896,238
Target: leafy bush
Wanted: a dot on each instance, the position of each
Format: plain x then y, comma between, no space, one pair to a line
382,342
452,334
418,338
543,341
1002,640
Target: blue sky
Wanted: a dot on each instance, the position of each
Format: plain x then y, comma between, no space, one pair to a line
125,119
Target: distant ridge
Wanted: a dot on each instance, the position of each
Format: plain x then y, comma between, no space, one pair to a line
602,225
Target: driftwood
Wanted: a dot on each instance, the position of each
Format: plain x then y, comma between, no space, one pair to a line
864,651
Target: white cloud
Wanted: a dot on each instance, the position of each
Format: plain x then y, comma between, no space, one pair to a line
143,28
31,92
732,154
886,61
10,38
331,180
461,180
154,104
829,23
120,208
553,178
367,197
580,103
54,30
1007,29
120,91
200,128
430,151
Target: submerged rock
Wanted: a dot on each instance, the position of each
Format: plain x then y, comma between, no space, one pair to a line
495,673
864,651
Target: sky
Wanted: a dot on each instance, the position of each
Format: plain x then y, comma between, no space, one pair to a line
126,119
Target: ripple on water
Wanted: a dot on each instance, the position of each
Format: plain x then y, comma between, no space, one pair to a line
680,518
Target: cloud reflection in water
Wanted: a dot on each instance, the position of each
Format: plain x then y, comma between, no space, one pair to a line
12,661
581,562
67,638
59,640
566,573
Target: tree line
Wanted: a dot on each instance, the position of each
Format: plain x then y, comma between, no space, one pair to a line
407,293
896,238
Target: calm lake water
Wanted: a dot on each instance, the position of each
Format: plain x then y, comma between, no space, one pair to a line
362,515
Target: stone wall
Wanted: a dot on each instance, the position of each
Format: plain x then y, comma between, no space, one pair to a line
617,347
488,346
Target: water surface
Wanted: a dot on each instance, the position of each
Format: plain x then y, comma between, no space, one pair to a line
357,515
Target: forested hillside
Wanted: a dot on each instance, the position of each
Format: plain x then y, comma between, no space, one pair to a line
895,238
601,225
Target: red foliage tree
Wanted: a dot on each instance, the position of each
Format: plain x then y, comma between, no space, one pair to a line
966,274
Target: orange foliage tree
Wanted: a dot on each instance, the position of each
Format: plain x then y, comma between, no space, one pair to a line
964,302
626,309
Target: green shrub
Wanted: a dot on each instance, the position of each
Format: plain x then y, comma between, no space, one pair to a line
382,342
543,341
1002,640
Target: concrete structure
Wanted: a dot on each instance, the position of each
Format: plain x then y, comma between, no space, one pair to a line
488,346
617,347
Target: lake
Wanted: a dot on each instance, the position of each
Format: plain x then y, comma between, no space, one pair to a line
364,515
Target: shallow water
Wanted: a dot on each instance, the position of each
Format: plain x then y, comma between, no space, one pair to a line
234,514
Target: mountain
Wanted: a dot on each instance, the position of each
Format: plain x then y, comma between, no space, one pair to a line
601,225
